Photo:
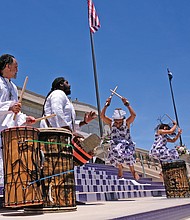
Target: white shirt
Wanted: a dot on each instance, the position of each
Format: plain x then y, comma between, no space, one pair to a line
8,96
58,103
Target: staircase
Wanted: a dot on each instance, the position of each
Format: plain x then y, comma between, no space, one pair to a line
99,182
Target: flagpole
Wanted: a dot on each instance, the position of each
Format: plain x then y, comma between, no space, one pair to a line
96,84
175,110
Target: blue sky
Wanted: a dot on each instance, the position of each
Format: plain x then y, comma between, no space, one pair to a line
137,42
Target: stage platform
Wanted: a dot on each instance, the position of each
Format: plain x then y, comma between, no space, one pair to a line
148,208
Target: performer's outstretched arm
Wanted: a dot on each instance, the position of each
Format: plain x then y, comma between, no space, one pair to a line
132,116
106,119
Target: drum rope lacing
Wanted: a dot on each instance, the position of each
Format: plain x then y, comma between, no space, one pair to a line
47,142
47,177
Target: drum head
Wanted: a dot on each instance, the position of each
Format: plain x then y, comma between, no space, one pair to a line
55,130
20,128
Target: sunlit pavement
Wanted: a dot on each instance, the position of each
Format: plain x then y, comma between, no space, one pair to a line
131,209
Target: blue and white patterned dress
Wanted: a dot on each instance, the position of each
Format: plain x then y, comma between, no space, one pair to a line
160,151
122,148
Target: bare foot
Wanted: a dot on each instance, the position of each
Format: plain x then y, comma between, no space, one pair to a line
136,175
161,176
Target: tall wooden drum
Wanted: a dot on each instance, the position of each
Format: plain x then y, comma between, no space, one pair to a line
21,163
57,171
175,179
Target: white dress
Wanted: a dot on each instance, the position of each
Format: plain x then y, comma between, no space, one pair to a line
122,148
160,151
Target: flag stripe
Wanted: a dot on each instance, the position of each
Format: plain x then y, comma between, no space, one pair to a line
94,22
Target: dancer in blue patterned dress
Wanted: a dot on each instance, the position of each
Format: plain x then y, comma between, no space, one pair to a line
159,149
122,148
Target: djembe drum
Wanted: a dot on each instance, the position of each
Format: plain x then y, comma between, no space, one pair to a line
81,157
21,163
57,172
84,149
175,179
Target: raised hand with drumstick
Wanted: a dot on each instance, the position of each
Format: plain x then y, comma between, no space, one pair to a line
164,134
21,95
122,149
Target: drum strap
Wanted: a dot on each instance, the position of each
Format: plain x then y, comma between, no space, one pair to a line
48,124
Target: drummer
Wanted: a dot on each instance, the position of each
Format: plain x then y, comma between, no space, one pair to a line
9,105
164,134
57,102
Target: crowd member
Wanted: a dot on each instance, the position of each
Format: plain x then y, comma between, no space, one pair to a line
9,105
159,150
122,149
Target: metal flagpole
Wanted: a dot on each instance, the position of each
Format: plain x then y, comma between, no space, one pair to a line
96,84
175,111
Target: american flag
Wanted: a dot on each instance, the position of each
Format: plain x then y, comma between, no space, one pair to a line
94,22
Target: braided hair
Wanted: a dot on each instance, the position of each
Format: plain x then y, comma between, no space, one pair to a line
55,85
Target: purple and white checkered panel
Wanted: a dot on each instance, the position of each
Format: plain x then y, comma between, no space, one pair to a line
93,197
90,197
94,179
95,184
90,171
94,173
87,177
89,168
131,194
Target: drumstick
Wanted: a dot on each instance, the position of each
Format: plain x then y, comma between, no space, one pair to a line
23,89
112,94
170,119
45,117
116,93
22,93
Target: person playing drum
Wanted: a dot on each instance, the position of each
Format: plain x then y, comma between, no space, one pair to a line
9,105
57,102
159,149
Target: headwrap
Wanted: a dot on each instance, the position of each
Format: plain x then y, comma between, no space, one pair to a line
56,82
119,114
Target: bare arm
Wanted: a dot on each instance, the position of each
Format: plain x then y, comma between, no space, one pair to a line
88,117
176,137
106,119
170,131
132,116
30,120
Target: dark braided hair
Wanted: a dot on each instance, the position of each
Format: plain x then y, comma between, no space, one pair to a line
4,60
55,85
